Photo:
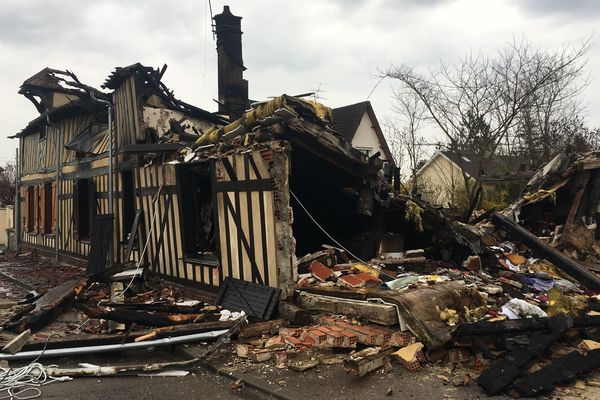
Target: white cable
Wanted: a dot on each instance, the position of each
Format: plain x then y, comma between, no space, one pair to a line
323,230
18,381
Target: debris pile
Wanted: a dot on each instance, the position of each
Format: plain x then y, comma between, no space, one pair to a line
514,310
515,313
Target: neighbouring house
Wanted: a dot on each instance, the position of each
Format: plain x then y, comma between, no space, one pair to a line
441,182
212,195
6,224
359,125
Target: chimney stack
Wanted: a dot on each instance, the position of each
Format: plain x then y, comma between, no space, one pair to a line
233,88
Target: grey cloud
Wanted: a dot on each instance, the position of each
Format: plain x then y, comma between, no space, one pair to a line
562,8
288,46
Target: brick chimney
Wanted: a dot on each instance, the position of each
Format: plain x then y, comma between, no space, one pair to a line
233,88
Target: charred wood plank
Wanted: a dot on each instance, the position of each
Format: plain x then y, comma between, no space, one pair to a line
47,306
522,325
566,264
143,317
582,180
164,308
560,371
270,327
501,374
294,314
97,340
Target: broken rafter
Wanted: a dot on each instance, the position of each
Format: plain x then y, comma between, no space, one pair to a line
566,264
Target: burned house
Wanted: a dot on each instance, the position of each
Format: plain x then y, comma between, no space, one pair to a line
196,196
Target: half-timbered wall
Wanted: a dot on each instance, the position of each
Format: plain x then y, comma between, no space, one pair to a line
70,241
127,113
157,197
38,149
245,218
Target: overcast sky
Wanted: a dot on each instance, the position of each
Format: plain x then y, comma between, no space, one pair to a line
289,46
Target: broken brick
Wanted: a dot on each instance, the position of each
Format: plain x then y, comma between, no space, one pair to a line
243,350
320,272
275,342
350,281
411,356
260,355
369,279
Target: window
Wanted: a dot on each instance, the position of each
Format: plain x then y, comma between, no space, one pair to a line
39,215
365,150
48,217
30,203
85,208
196,206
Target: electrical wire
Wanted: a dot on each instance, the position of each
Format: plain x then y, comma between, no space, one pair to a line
23,383
323,229
141,256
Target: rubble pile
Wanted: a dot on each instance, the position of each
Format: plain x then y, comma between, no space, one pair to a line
515,313
515,308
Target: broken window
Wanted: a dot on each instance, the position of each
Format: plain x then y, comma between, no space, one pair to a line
196,207
85,208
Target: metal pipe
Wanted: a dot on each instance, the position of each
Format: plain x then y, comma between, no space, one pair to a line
23,355
110,170
57,184
16,209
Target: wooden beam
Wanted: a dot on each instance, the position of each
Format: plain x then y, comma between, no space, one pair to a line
256,329
379,313
561,371
152,148
294,314
566,264
48,306
581,183
523,325
502,373
144,318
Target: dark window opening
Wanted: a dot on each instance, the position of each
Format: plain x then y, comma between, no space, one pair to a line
85,208
31,203
48,204
128,188
197,210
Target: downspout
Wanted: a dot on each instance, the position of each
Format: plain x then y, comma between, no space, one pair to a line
109,105
57,190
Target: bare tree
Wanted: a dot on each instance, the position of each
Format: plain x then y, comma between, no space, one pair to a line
551,114
482,91
406,135
7,184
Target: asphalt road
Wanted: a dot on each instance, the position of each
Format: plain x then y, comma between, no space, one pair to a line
322,382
